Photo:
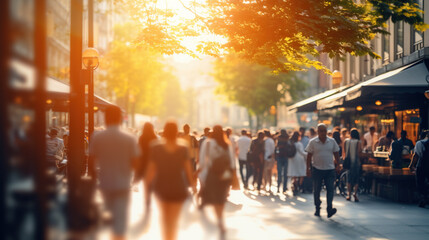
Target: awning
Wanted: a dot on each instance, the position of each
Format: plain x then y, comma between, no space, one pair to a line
310,104
57,91
394,85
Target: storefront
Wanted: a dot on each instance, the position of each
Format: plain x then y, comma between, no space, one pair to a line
392,101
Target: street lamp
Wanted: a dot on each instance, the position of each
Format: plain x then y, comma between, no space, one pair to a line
90,59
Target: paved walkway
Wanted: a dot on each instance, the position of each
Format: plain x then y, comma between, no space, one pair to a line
250,216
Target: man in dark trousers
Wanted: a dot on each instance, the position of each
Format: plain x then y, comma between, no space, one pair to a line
421,161
322,162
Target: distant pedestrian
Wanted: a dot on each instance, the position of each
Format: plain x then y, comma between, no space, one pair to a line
171,174
322,161
204,136
192,145
353,150
116,153
313,133
257,150
282,160
297,164
54,148
217,169
304,138
269,158
243,146
421,162
148,135
337,137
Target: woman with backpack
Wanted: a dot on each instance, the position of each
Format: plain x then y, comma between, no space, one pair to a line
217,169
297,163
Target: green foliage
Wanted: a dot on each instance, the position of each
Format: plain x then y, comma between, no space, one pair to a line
253,86
283,34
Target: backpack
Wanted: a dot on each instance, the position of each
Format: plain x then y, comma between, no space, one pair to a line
290,150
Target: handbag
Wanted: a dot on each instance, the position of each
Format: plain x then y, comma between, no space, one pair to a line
347,160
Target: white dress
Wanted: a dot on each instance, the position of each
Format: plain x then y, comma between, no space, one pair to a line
297,165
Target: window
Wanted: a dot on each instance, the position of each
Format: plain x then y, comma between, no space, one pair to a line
386,46
399,40
417,36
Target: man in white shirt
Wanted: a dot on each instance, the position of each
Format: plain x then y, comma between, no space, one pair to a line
243,145
270,148
370,138
322,160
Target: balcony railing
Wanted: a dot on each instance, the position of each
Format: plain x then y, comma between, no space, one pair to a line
417,46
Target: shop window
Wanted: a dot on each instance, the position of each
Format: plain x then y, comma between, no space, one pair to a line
408,120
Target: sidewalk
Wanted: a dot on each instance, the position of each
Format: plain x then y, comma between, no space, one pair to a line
249,216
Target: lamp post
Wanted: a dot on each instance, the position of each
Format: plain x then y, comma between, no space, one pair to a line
90,61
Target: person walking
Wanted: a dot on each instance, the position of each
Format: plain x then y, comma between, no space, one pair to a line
353,150
257,150
282,160
116,153
270,149
170,172
192,145
217,167
243,146
148,135
420,161
322,161
304,138
297,164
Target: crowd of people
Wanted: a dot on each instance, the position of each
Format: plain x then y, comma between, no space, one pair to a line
175,165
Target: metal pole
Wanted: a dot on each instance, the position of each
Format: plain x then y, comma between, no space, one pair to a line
40,115
91,73
77,114
4,143
91,103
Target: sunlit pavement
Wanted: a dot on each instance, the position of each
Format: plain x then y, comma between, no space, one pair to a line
252,216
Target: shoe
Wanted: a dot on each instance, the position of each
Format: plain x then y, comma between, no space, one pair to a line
317,212
348,198
332,212
356,198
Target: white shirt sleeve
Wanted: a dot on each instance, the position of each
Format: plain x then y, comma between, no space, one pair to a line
310,147
300,149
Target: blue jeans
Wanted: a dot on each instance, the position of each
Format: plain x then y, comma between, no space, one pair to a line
282,163
328,177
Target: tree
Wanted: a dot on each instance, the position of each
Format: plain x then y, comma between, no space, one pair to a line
253,86
137,76
283,34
